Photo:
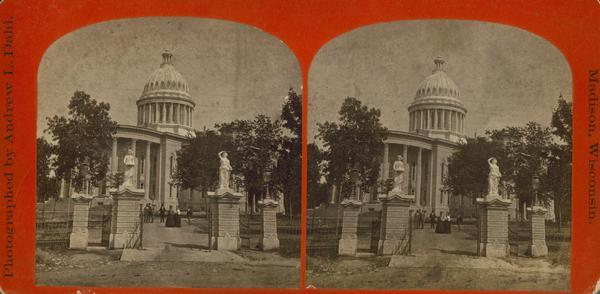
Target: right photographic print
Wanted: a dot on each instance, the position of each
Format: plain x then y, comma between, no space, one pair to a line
439,157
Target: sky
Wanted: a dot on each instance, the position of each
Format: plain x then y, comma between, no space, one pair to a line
506,76
234,71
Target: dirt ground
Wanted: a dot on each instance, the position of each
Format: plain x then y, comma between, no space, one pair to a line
438,250
70,267
373,273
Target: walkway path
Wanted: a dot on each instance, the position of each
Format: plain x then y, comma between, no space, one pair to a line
187,243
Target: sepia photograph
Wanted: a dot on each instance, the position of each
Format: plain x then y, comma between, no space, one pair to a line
439,157
168,155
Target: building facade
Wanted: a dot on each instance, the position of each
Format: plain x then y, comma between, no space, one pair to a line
164,120
436,123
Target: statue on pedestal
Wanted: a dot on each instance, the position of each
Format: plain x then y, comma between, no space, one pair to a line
129,162
493,177
399,174
224,171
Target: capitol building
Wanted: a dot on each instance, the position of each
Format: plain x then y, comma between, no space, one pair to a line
165,113
436,125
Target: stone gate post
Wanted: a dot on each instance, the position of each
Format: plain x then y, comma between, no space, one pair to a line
394,223
81,214
125,223
537,244
348,243
225,218
493,229
269,239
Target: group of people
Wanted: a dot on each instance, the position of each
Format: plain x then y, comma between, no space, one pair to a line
148,213
171,218
438,223
419,219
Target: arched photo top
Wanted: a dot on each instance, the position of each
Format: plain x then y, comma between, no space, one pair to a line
232,70
503,75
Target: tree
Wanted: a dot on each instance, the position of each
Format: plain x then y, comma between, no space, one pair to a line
47,185
316,190
560,165
287,175
83,140
468,167
254,146
198,162
527,152
355,143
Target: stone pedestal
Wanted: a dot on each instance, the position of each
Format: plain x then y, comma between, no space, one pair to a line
81,214
269,239
493,227
126,224
349,241
537,245
225,219
394,223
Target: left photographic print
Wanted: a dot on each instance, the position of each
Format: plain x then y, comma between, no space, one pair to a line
168,155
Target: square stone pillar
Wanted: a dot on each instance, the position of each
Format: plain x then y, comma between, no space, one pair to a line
537,244
225,219
125,223
394,222
269,239
81,214
493,227
349,240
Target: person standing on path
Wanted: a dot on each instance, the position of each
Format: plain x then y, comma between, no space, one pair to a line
189,215
161,212
432,219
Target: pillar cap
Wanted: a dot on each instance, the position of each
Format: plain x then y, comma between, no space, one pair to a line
537,209
225,194
396,197
127,192
494,202
81,199
268,202
351,203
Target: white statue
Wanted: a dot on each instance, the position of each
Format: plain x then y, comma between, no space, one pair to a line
493,177
399,174
129,162
224,171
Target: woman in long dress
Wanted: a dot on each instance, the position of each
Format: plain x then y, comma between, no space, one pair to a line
493,177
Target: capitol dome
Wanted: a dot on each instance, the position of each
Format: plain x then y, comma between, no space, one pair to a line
166,81
165,103
438,84
437,110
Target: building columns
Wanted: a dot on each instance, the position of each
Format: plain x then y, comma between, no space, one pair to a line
148,108
386,162
406,178
159,175
418,176
174,113
454,128
147,171
114,164
135,171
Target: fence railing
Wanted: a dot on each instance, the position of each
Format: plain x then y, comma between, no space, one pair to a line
54,224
